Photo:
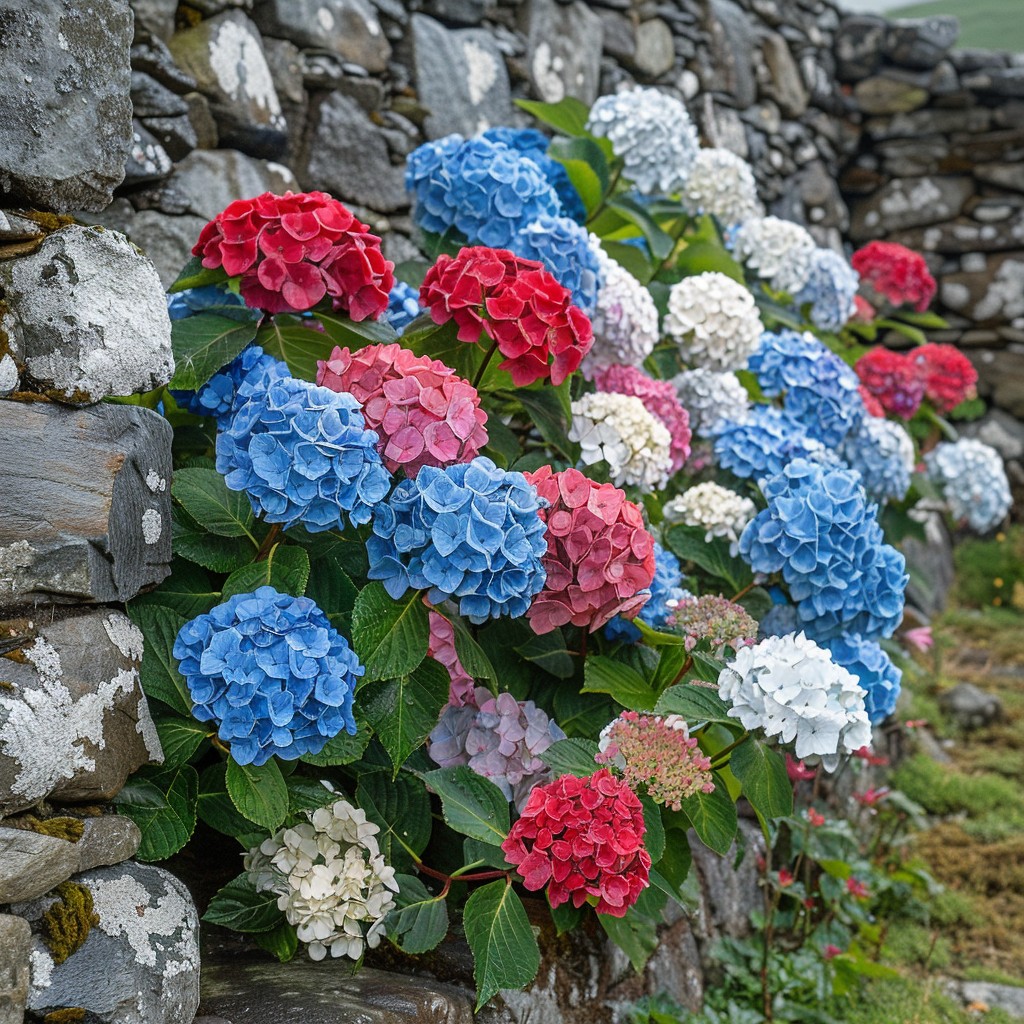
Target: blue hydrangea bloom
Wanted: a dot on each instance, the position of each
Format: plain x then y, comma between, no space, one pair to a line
486,191
830,290
779,620
563,246
666,592
272,672
403,306
971,476
822,534
883,453
182,305
534,144
302,454
469,532
217,395
874,671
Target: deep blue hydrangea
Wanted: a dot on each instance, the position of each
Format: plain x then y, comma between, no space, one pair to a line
272,672
830,290
217,395
182,305
563,246
534,144
883,453
403,307
779,620
469,532
822,534
874,671
303,455
764,443
486,191
666,592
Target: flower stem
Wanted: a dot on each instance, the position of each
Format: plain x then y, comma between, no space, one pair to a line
478,876
687,665
268,543
483,366
717,762
740,594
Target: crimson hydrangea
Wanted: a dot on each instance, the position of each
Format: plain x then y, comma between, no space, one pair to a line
893,380
424,414
949,376
895,272
600,558
294,250
583,839
517,304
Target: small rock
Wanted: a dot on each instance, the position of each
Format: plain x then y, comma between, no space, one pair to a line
167,241
147,159
152,56
201,120
563,50
107,839
930,564
175,134
156,16
889,93
786,85
16,228
15,943
920,42
655,52
87,317
859,46
32,863
970,707
910,202
1008,998
151,98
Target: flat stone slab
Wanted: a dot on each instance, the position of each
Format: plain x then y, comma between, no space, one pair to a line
15,941
32,863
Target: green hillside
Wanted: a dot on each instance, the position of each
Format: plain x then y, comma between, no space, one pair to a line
995,24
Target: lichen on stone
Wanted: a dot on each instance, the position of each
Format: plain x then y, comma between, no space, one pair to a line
60,827
66,925
67,1015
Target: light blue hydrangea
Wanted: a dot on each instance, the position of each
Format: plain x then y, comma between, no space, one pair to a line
666,592
874,670
273,674
779,620
302,454
565,250
883,453
468,532
217,396
971,477
403,307
218,297
830,290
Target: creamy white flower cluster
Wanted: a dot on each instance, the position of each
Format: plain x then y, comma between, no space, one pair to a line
722,183
652,133
972,480
714,508
710,397
331,880
781,252
618,430
789,687
714,320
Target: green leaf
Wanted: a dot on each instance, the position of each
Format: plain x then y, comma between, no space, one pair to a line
632,258
695,704
331,587
660,242
420,920
713,816
187,590
566,917
674,865
505,951
582,714
306,794
355,334
634,934
215,807
702,257
473,850
587,167
220,554
241,908
179,737
205,497
403,711
544,408
163,805
471,654
572,757
712,556
159,673
259,794
341,749
550,652
622,683
568,115
286,569
401,808
471,804
195,275
203,343
654,834
297,342
389,636
281,941
762,773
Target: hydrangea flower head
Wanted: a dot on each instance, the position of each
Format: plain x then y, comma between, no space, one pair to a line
710,397
873,670
722,184
972,480
778,251
469,532
563,248
620,431
896,273
830,289
666,593
517,304
331,880
422,413
893,379
626,319
949,376
718,511
292,251
403,306
302,454
713,618
658,754
500,738
272,672
714,320
883,453
600,558
217,396
182,305
872,406
441,647
789,687
653,135
582,837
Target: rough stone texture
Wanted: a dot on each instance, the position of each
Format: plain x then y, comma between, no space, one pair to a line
909,202
564,49
728,895
655,53
140,963
86,317
74,681
15,942
64,79
1008,998
156,16
930,564
107,839
167,241
32,863
970,707
85,508
920,42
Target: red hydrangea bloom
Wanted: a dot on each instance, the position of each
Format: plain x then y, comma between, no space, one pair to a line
897,273
864,312
893,379
517,304
661,400
441,648
424,414
293,250
582,838
600,558
949,376
872,406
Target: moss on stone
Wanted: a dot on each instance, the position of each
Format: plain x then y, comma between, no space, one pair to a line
67,923
68,1015
61,827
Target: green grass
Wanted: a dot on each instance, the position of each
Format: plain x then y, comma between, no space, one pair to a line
990,24
908,1001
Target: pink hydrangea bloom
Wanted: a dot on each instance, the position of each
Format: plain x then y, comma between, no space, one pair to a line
424,414
441,648
713,618
660,399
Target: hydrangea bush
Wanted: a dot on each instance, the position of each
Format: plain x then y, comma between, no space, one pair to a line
472,588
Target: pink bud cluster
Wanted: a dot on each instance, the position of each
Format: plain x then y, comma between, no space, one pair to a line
715,619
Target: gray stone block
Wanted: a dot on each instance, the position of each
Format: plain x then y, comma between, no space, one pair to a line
85,502
107,839
564,44
32,863
15,943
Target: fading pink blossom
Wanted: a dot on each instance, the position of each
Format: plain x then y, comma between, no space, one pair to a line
441,648
920,637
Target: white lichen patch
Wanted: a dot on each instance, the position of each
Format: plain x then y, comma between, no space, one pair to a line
483,71
125,635
146,728
237,59
548,69
40,969
8,375
1005,295
152,525
12,558
155,482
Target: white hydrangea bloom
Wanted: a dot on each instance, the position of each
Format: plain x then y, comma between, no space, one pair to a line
714,508
710,397
972,480
722,183
618,430
780,251
652,133
331,880
789,687
714,320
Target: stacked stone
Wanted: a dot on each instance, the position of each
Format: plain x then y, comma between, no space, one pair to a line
84,527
